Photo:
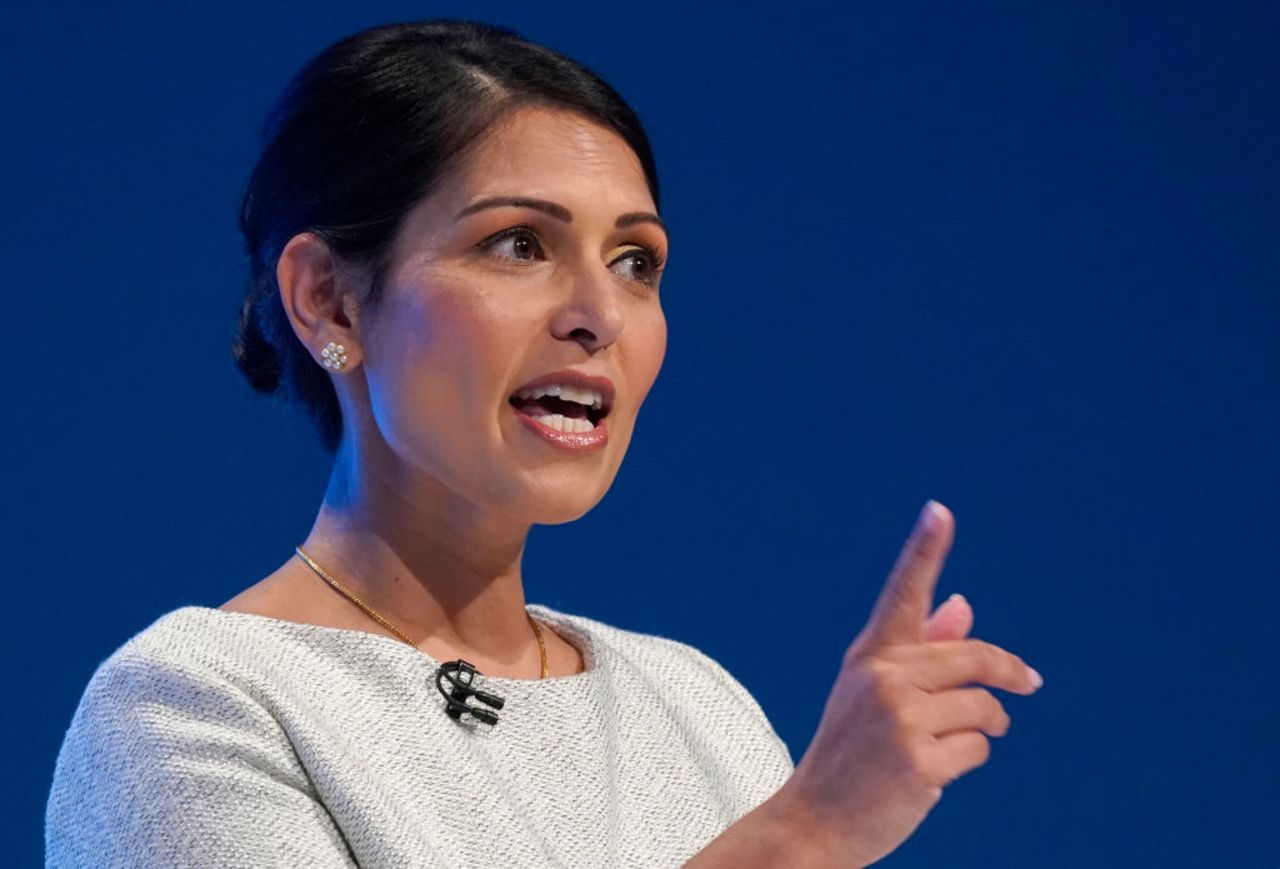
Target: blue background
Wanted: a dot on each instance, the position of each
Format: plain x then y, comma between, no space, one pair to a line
1021,258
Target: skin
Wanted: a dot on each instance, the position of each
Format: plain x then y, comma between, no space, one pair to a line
905,713
903,720
436,484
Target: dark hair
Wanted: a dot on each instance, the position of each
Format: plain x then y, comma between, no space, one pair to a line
360,135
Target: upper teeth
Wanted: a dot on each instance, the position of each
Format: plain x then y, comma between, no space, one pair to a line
589,397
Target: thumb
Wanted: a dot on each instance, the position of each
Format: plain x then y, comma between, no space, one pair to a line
952,620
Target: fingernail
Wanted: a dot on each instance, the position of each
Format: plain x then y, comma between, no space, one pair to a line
1036,679
931,515
957,596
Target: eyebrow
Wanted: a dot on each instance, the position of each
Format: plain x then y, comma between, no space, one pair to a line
635,217
559,212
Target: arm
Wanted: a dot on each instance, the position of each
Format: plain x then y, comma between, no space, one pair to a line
167,765
899,725
770,836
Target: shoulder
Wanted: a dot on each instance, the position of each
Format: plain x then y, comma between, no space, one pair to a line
188,681
169,645
166,723
162,683
176,672
181,645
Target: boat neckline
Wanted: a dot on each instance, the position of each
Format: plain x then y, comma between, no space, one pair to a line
578,634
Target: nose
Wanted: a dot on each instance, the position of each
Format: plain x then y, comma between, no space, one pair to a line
593,312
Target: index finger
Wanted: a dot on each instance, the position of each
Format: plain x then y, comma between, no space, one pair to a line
907,596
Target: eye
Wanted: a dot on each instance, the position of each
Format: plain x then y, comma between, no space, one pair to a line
639,264
517,243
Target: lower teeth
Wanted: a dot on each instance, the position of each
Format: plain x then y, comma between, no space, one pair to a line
560,422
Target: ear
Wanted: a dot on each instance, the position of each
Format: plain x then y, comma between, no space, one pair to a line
315,299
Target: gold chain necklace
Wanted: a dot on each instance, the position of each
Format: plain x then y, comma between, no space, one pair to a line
369,611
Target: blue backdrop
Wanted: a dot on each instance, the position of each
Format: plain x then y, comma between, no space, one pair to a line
1022,258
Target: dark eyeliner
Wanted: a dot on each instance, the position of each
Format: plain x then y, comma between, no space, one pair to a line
657,262
520,230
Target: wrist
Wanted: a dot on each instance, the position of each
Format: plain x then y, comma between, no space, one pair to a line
801,839
780,833
793,839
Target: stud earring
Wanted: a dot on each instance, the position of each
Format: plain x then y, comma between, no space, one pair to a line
334,356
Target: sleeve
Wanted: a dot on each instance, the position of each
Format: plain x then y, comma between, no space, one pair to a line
165,765
748,704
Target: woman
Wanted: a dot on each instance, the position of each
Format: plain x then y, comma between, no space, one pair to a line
455,258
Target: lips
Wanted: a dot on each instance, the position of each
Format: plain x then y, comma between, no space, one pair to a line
554,404
573,441
571,420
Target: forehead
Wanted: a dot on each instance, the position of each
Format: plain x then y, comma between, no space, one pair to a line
550,152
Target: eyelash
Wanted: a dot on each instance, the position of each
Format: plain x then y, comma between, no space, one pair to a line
657,262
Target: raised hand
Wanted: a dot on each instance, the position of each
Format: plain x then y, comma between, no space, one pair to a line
899,724
951,621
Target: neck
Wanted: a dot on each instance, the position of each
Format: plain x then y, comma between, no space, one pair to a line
433,564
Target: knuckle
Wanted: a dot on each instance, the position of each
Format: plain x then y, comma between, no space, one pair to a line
988,658
879,681
882,678
921,547
853,655
1017,668
934,772
910,723
997,718
971,754
1011,667
981,709
919,760
932,777
895,655
975,656
860,655
905,720
877,669
857,665
891,703
983,749
995,664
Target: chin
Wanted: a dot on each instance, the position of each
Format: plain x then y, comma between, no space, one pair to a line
560,511
562,502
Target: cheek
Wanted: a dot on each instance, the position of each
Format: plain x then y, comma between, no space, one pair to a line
437,369
650,351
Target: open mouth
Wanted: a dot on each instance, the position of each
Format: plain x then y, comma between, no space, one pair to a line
567,400
561,412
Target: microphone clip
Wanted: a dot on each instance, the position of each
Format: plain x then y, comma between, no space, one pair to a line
460,674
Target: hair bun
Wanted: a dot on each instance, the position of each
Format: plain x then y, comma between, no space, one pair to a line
254,355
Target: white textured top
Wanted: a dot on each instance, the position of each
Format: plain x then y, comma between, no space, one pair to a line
222,739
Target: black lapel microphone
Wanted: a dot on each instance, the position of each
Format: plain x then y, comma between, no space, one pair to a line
460,675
